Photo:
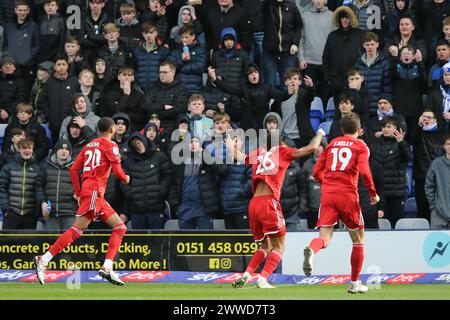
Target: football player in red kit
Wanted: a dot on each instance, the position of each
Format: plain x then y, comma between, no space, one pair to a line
337,169
265,217
96,159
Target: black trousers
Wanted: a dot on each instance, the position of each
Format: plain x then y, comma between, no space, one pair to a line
393,210
236,221
15,221
423,207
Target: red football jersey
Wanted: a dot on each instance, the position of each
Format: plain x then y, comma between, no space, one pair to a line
270,167
338,167
96,159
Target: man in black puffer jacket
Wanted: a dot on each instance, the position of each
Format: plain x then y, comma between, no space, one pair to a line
150,175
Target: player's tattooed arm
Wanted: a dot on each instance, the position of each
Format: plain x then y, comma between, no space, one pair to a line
311,147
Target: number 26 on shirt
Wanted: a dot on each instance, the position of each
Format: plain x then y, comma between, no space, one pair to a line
341,156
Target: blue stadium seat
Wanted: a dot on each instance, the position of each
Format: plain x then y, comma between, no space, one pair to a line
48,133
315,122
317,108
330,104
410,183
410,208
329,115
2,133
325,126
412,223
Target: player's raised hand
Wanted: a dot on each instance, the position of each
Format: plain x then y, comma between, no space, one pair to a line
374,200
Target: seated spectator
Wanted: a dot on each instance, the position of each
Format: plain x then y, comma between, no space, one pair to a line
83,116
130,29
186,17
17,134
26,120
199,123
21,189
44,72
58,188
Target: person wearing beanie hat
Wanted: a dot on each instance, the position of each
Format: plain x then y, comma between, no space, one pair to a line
78,137
58,188
123,126
44,72
6,58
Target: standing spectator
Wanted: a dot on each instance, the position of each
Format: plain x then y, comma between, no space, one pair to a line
282,30
56,97
389,156
79,137
100,80
228,15
130,28
442,58
82,115
410,80
72,52
393,16
53,32
122,121
13,89
256,19
346,104
229,60
22,41
58,188
16,134
148,57
255,94
190,62
342,49
427,147
357,89
439,100
446,29
317,25
123,95
375,68
437,189
186,17
91,94
156,14
364,11
26,120
314,192
21,189
168,98
44,72
199,123
150,173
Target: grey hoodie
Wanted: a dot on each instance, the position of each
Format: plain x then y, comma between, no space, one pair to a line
174,31
91,121
437,186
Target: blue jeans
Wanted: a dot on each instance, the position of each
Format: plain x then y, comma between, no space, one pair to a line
147,220
200,222
273,64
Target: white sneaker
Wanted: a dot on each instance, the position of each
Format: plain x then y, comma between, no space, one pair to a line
308,255
357,287
40,269
239,283
111,276
263,284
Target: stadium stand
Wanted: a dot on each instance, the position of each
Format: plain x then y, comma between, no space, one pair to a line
384,224
410,208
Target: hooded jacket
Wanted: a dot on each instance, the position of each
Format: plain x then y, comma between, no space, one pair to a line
437,186
53,32
175,38
13,90
22,41
88,115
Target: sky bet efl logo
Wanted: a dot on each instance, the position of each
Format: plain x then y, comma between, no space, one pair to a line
436,250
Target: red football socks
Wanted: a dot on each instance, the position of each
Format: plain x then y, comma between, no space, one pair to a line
64,240
317,244
357,260
258,258
273,259
115,240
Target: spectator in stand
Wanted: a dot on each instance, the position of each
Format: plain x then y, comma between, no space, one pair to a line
91,94
122,121
26,120
229,60
437,189
123,95
177,137
163,136
13,89
100,80
58,188
282,30
115,53
82,115
91,33
22,41
52,33
443,57
385,109
186,17
199,123
389,156
44,72
253,8
156,13
254,92
235,179
375,68
194,196
151,174
364,11
79,137
446,29
130,28
410,80
16,134
342,49
168,97
228,15
21,189
439,100
76,61
57,95
314,192
392,19
317,25
346,104
190,62
148,57
427,147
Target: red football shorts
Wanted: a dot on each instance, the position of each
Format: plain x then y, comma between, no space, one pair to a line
266,218
94,207
344,207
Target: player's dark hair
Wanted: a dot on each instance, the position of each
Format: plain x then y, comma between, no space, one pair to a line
104,124
350,123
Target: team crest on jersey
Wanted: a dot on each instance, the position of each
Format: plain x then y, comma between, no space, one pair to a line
116,150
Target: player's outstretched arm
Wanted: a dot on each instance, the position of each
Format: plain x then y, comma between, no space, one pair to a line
311,147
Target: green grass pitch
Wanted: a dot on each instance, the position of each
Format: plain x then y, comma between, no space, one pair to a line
178,291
